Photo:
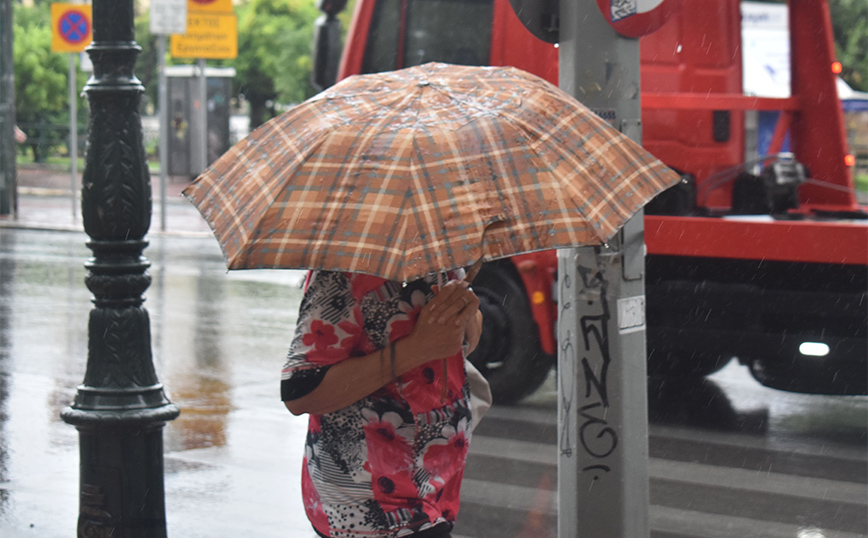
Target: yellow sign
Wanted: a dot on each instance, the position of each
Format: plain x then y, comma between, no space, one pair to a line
210,6
71,27
212,36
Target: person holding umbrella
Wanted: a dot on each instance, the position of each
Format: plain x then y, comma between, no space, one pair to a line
379,366
381,185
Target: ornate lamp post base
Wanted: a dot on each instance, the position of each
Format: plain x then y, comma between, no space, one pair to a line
120,408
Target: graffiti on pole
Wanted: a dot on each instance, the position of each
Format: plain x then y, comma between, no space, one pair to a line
589,351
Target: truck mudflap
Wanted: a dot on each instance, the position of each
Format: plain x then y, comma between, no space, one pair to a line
797,326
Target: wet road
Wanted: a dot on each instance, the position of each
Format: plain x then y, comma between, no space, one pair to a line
729,458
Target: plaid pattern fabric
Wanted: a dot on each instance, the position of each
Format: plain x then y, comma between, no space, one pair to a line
400,174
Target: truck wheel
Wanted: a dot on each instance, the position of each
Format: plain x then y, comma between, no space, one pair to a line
664,361
509,354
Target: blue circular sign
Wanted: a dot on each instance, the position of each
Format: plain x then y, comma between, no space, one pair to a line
73,27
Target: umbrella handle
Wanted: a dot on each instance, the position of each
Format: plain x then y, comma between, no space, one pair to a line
474,270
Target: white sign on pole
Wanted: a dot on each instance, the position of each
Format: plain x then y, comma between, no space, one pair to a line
168,17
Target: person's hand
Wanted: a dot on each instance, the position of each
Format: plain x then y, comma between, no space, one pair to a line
431,340
454,302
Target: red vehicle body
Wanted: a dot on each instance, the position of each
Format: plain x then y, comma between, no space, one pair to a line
788,272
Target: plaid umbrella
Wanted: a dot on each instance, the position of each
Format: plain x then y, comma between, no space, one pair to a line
404,173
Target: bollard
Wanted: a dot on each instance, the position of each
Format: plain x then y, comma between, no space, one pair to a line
120,407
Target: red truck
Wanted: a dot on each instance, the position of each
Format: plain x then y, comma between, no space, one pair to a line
763,258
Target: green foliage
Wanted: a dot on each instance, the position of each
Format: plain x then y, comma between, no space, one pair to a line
40,75
850,25
42,81
274,48
146,63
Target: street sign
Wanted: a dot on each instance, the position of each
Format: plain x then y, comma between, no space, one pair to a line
212,31
211,36
71,27
635,18
168,17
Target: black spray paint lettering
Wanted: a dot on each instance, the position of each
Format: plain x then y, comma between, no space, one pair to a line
597,438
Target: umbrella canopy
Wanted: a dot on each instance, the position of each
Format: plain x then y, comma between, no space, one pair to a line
404,173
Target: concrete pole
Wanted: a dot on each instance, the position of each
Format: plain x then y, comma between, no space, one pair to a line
120,407
602,404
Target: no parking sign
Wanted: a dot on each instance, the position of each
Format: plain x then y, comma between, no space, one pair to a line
71,27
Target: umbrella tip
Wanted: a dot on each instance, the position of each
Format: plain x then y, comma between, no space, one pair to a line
422,83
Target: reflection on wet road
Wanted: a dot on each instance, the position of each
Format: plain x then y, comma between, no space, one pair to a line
729,458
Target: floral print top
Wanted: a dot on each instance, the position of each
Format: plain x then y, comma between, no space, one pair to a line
389,465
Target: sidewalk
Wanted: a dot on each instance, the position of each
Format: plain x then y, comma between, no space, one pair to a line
247,484
49,199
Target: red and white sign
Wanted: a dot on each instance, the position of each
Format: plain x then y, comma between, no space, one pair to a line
635,18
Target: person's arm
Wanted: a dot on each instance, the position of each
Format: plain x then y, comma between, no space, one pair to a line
355,378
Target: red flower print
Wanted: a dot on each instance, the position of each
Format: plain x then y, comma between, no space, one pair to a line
388,451
444,460
353,330
402,324
312,504
321,335
394,491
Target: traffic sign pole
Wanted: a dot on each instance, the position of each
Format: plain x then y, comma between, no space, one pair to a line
73,136
603,485
71,30
167,17
203,116
163,98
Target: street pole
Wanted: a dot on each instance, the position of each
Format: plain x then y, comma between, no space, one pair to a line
73,134
162,100
120,407
8,147
602,393
202,92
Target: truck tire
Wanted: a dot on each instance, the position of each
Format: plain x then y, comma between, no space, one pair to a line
509,353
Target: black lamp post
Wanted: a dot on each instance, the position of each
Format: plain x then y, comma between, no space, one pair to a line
120,408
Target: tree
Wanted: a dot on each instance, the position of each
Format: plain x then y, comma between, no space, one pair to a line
274,47
850,26
41,84
147,62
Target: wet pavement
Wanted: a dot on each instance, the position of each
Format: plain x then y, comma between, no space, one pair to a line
233,457
728,456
